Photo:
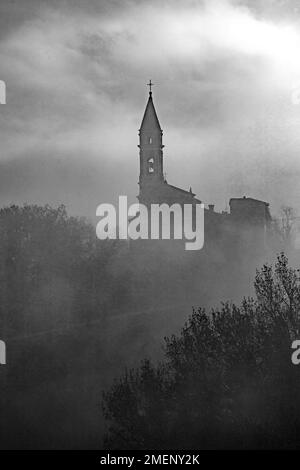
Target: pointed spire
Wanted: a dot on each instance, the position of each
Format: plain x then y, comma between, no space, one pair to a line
150,118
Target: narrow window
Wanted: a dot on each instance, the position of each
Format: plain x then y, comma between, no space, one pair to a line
150,165
150,140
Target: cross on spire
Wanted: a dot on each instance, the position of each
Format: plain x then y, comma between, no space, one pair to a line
150,85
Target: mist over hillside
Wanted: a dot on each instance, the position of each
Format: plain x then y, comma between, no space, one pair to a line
76,310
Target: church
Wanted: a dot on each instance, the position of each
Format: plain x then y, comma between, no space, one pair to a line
248,216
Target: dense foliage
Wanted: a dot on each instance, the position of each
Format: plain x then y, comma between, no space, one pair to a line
53,270
227,380
74,310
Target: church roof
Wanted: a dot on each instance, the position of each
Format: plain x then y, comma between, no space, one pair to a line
182,190
150,118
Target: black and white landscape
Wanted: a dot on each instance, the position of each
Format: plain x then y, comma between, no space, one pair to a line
141,344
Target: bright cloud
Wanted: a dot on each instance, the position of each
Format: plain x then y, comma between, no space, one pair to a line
223,74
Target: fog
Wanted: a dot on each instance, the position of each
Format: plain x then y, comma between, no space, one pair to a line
225,74
75,313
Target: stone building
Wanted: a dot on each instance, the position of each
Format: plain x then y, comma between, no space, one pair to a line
248,217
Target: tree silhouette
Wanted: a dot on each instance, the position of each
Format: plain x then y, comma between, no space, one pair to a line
53,270
227,381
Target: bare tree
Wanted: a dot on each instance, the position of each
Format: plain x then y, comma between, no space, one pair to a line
286,223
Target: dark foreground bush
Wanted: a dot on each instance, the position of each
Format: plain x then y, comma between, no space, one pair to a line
227,380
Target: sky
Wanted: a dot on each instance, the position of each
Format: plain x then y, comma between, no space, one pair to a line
226,89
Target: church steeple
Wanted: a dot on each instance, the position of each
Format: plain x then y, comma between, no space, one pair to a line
150,120
151,155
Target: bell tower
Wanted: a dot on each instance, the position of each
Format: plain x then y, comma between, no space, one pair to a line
151,151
